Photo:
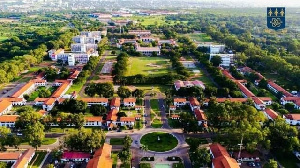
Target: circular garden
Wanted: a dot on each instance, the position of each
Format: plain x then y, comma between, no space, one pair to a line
159,141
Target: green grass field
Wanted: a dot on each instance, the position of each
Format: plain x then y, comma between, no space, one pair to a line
75,87
148,66
37,159
156,123
154,106
177,165
199,37
116,141
166,141
46,141
205,79
156,88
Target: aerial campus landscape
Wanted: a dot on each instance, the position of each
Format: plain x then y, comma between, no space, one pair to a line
148,84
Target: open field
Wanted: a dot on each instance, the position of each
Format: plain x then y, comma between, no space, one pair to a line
159,141
148,66
116,141
199,37
154,106
156,88
156,123
46,141
205,79
37,159
75,87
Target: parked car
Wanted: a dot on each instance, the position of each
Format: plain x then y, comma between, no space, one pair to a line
257,164
251,164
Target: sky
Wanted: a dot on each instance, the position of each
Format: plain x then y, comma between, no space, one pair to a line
261,3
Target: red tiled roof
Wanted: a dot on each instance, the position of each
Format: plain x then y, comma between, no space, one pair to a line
265,98
40,75
260,76
50,101
227,74
23,89
74,74
218,150
194,101
61,89
13,99
179,100
243,88
40,99
91,119
280,89
293,99
43,112
116,102
130,119
75,155
257,101
4,104
10,155
8,118
101,158
271,113
200,115
128,100
293,116
25,158
112,115
94,100
225,162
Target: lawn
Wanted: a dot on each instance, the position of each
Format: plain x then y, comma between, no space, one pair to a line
24,80
157,88
156,123
75,87
114,156
35,94
166,141
205,79
148,66
70,129
98,69
287,159
145,165
37,159
200,37
154,106
46,141
177,165
116,141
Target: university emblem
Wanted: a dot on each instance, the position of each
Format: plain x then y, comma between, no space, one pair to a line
276,18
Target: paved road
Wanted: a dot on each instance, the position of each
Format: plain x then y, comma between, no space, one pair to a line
147,111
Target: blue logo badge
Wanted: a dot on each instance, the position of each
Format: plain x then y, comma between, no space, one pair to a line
276,18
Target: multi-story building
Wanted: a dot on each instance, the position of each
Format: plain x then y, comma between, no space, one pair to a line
8,120
140,33
276,88
5,107
187,84
148,51
227,59
216,49
93,101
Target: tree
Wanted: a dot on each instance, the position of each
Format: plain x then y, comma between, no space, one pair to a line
78,120
138,93
35,134
63,120
216,60
3,164
84,140
113,52
124,92
73,106
13,141
4,132
98,110
127,141
27,118
200,157
271,164
50,166
289,106
188,123
121,114
283,137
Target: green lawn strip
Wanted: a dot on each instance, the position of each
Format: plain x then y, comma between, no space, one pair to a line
145,165
177,165
116,141
156,88
138,125
46,141
98,69
199,37
156,123
71,129
288,160
38,158
123,165
205,79
154,106
75,87
148,66
114,156
166,141
24,80
152,115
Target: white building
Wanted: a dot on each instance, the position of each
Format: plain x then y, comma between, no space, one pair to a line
292,119
129,102
227,59
8,120
216,49
148,51
180,102
5,107
93,101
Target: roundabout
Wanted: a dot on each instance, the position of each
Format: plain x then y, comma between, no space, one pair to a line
159,141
